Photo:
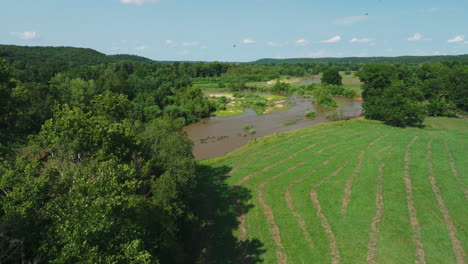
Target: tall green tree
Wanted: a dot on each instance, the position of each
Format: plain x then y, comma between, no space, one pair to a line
403,105
376,78
332,76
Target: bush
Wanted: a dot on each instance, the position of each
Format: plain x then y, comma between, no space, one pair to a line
324,97
310,114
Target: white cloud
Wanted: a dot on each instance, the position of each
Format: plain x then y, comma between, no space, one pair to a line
456,39
466,42
415,37
248,41
350,20
362,40
138,2
27,35
184,52
302,42
332,40
192,43
170,43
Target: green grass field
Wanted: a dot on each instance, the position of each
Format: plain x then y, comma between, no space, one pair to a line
355,192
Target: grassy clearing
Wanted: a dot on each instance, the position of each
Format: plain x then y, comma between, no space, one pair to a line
446,123
230,111
300,182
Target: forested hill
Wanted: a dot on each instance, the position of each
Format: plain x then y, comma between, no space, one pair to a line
45,62
401,59
69,56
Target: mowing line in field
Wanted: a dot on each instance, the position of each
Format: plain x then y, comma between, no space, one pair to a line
241,216
357,133
455,173
290,203
282,257
303,136
298,143
411,209
323,219
456,245
245,178
357,171
379,203
252,155
287,193
272,155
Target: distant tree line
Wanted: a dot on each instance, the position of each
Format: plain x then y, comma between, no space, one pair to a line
404,95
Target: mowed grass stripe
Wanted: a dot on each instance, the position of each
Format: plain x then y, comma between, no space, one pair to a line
349,183
395,242
356,223
379,204
300,192
433,230
279,149
265,144
323,219
242,219
411,208
282,257
453,168
288,154
290,202
456,245
253,214
377,226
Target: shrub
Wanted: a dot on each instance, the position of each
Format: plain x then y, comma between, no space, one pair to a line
310,114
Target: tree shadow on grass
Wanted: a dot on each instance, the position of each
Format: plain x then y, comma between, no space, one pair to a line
218,205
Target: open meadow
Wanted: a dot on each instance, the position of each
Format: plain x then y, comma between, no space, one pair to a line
353,192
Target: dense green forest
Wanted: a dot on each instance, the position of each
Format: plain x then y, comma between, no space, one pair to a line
402,95
95,166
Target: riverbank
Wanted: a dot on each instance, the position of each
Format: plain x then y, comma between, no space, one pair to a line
216,136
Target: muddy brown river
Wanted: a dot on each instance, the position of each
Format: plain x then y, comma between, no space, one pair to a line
216,136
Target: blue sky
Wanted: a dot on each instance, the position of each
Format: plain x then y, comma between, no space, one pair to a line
207,30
